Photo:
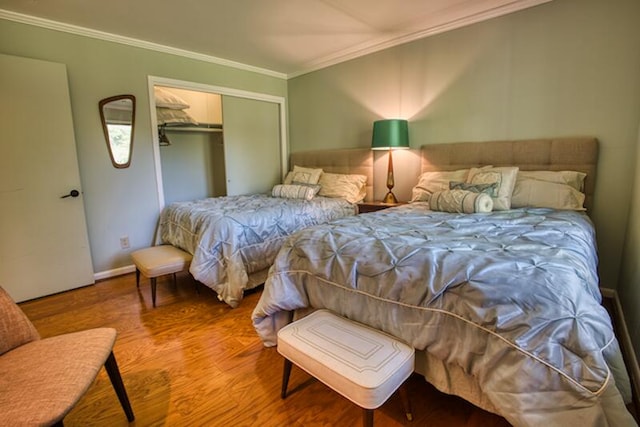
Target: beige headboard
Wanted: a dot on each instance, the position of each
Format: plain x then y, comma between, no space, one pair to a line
577,154
350,161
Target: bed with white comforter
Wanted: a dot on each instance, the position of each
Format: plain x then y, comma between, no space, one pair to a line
509,300
503,307
235,239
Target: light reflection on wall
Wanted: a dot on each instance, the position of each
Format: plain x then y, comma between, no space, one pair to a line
408,83
408,79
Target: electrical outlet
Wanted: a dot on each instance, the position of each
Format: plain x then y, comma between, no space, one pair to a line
124,242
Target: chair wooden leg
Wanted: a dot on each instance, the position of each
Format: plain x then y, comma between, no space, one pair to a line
406,404
286,373
153,291
137,278
116,380
367,417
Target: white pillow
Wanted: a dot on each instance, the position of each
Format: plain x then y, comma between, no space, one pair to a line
549,189
460,201
168,115
300,175
573,179
430,182
305,192
351,187
506,179
166,99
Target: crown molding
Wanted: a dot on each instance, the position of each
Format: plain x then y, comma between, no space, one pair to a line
315,65
386,42
129,41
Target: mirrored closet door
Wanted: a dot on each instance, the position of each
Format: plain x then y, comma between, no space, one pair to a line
213,144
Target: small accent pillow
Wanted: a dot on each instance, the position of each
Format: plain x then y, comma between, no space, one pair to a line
549,189
430,182
460,201
305,192
351,187
166,99
505,179
490,189
300,175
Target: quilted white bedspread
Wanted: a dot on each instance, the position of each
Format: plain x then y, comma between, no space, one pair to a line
234,236
510,297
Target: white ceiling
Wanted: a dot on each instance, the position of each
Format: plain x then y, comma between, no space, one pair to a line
279,37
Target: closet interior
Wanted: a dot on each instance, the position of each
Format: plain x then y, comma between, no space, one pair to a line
191,138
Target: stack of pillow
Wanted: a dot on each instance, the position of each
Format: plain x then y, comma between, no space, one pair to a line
171,108
306,183
499,188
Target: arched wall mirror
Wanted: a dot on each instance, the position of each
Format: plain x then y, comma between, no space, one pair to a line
118,114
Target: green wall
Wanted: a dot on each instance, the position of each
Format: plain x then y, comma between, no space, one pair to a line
565,68
118,201
568,67
629,287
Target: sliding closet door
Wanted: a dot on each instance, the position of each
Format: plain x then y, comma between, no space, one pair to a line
44,246
251,145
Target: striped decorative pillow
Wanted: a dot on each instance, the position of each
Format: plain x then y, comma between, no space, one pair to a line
285,191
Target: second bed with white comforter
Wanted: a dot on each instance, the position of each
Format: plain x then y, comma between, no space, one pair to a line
232,238
508,298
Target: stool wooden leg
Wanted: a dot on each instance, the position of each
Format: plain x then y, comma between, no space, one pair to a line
175,282
137,278
153,291
286,372
406,404
367,417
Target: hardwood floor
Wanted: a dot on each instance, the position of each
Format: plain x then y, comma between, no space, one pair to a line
193,361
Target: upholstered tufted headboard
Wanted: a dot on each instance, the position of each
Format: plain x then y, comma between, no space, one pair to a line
577,154
349,161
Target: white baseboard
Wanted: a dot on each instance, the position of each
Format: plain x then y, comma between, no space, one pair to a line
624,338
115,272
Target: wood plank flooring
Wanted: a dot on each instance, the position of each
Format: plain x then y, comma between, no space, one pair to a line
193,361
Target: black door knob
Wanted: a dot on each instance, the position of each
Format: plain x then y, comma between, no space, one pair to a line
72,193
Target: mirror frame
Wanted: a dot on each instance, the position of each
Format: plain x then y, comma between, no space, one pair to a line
101,105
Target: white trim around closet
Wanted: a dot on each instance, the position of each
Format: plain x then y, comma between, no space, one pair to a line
200,87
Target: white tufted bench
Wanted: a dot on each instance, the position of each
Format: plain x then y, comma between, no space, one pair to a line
363,364
157,261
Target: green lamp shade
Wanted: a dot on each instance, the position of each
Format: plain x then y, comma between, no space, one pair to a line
388,134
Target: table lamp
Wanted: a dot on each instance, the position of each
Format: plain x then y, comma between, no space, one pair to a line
391,134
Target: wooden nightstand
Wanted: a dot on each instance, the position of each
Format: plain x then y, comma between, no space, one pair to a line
366,207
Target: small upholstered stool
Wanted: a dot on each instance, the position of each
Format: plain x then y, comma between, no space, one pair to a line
361,363
157,261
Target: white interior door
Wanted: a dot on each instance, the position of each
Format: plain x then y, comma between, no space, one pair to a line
251,145
44,246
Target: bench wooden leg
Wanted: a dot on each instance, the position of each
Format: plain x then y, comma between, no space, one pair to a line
137,278
406,404
153,291
367,417
286,373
